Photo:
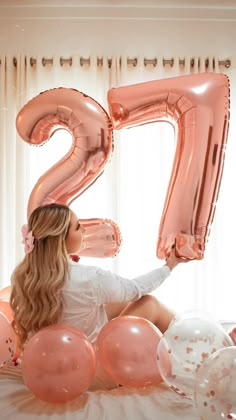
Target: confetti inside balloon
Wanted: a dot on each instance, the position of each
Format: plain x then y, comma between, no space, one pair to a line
215,387
189,342
7,340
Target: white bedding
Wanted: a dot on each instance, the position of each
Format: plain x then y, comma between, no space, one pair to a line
159,403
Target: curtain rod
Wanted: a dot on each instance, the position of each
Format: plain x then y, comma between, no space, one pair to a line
132,61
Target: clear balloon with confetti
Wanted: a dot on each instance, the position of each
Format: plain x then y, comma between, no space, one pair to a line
215,387
189,341
7,338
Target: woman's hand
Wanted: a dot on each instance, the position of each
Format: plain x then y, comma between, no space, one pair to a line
172,260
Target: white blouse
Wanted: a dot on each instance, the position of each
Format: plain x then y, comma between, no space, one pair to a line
88,288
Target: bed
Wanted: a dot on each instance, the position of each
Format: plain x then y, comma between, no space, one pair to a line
156,402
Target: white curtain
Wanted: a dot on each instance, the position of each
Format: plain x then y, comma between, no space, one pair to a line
132,188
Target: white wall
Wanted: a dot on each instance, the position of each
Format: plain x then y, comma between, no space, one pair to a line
149,27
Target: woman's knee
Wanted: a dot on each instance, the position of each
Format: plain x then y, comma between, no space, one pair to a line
147,307
150,301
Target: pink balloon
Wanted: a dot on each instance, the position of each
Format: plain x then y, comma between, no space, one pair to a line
5,293
127,351
198,108
91,129
6,310
58,363
7,340
232,334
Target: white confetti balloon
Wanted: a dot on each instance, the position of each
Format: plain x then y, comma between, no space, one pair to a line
189,342
7,341
215,387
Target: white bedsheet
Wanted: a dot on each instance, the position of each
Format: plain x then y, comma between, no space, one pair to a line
157,403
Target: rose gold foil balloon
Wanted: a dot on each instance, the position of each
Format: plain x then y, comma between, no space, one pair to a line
198,108
58,363
127,351
102,238
91,129
7,338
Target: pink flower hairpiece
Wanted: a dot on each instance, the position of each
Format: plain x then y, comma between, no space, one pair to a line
28,239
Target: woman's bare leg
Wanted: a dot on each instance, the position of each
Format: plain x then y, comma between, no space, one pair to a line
113,310
147,307
150,308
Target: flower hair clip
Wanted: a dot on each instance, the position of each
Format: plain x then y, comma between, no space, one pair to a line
28,239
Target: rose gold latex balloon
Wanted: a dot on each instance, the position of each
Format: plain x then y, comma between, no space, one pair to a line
127,351
5,310
198,108
7,340
5,293
232,334
91,130
58,363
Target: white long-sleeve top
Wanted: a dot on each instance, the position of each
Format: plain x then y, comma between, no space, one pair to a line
88,288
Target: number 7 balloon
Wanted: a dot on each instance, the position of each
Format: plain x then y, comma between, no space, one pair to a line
198,108
91,129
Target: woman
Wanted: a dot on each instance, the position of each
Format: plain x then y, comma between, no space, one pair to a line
48,289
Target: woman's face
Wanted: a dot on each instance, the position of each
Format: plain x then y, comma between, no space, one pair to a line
74,238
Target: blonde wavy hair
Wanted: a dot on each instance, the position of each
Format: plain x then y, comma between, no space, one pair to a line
37,282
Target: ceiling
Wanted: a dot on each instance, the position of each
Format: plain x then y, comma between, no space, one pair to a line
180,10
102,3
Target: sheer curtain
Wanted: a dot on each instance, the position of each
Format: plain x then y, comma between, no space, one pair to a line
131,190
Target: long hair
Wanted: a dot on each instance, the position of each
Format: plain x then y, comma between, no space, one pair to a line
37,282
